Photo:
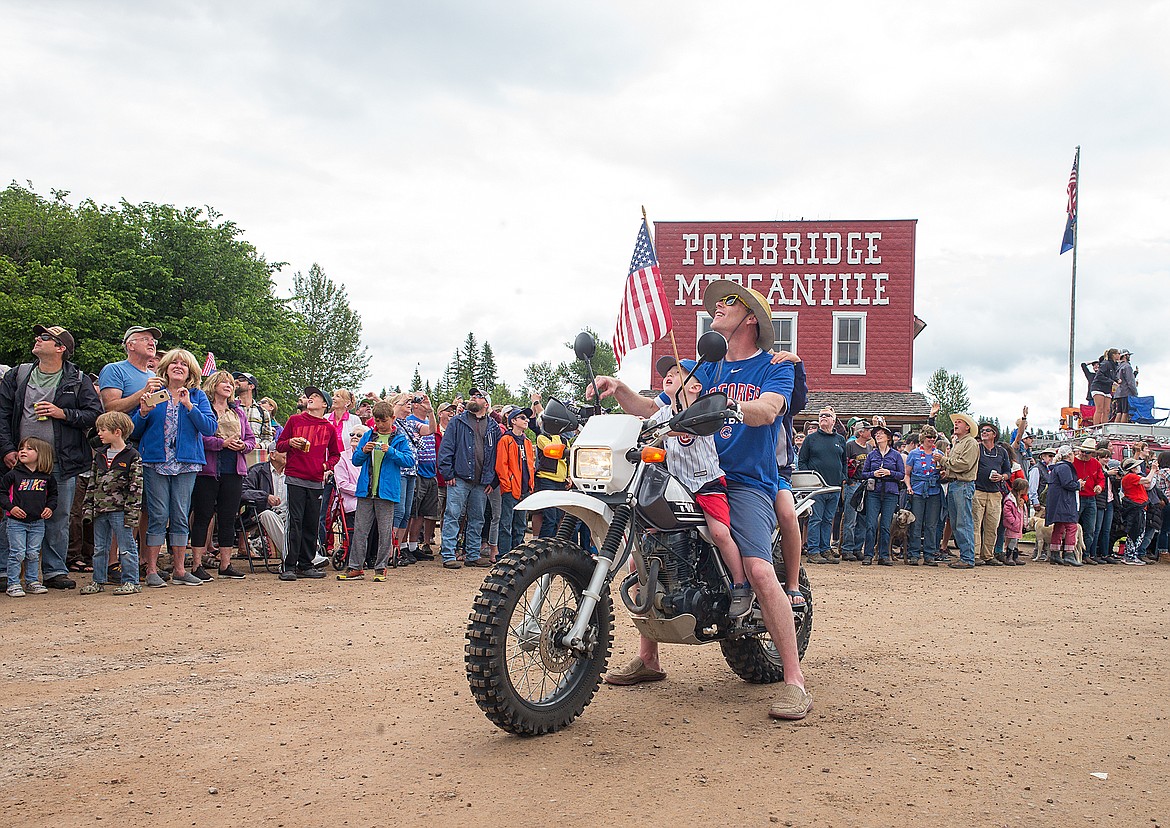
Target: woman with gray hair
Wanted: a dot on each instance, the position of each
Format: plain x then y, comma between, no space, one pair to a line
1060,510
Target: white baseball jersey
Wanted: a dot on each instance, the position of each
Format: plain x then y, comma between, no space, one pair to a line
693,460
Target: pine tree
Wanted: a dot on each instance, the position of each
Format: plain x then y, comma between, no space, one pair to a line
486,377
416,383
950,392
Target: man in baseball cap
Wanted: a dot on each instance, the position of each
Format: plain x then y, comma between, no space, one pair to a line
51,399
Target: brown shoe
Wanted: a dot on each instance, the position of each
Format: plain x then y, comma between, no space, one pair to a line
793,704
481,561
635,672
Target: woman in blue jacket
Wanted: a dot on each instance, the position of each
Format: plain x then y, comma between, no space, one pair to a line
170,439
381,455
1061,507
885,468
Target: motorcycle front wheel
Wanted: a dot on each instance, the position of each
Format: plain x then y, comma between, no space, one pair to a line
521,676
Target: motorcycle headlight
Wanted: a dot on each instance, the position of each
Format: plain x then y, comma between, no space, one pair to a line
593,463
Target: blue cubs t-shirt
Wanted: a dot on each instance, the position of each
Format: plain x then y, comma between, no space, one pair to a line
748,453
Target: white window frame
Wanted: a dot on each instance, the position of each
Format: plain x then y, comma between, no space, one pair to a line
703,324
848,369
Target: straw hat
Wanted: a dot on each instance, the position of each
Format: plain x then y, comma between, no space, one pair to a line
968,419
755,302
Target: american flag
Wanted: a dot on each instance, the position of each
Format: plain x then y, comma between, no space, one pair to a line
209,364
1070,226
645,314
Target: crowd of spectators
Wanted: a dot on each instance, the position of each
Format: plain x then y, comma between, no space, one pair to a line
150,454
983,493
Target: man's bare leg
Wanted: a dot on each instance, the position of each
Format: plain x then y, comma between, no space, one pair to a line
778,616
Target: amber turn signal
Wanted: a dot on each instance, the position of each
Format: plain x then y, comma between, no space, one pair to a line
554,451
653,454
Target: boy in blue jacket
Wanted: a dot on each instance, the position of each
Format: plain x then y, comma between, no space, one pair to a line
381,455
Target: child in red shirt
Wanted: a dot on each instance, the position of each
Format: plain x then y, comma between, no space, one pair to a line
1135,491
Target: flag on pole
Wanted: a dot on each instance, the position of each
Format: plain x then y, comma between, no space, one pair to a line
645,314
1070,226
209,364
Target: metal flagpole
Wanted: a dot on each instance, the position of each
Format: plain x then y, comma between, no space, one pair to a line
1072,320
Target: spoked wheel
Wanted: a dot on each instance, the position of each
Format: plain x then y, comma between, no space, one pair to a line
521,675
756,658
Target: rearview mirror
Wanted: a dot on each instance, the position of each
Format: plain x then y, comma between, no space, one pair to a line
584,346
712,346
557,418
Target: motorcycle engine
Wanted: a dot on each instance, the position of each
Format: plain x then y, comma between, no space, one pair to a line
686,590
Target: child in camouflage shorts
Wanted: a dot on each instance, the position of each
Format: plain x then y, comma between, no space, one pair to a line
113,502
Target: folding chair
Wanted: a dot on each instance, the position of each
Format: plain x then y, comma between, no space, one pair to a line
253,541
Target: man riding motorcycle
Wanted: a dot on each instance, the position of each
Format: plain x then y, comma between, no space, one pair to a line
747,451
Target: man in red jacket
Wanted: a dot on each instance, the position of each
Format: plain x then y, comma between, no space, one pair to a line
312,446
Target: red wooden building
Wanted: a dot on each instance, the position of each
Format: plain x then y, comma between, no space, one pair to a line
841,293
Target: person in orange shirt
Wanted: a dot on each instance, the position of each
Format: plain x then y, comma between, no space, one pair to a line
516,467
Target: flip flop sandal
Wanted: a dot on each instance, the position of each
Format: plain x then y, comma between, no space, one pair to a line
796,594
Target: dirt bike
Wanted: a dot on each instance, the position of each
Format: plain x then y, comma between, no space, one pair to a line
539,633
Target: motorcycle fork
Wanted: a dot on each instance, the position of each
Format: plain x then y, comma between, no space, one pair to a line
575,638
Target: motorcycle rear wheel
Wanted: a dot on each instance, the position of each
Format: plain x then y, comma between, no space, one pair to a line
520,675
756,659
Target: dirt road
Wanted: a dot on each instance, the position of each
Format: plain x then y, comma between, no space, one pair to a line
975,698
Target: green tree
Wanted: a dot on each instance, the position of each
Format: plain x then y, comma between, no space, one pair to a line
330,353
950,392
545,379
469,359
486,375
416,382
604,364
98,269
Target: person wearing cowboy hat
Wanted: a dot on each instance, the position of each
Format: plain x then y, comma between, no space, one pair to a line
1045,458
1126,387
993,473
853,524
1092,478
760,394
961,467
1136,489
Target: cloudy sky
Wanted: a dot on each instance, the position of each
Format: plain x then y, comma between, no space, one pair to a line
481,166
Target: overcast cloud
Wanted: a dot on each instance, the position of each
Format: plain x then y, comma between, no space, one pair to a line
481,166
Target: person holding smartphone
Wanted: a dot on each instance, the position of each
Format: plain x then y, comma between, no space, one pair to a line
995,469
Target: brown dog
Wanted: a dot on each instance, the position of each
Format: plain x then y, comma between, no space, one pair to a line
899,528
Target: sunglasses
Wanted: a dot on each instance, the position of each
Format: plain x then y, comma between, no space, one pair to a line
730,300
478,396
48,338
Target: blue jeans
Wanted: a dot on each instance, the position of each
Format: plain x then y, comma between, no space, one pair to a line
1164,534
926,530
3,543
850,525
105,526
1088,518
55,546
402,507
513,522
879,513
462,495
168,504
820,522
960,498
1103,527
24,546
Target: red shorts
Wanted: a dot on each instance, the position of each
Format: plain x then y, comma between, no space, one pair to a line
712,499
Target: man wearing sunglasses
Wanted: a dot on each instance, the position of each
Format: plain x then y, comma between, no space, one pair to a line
54,400
762,392
823,451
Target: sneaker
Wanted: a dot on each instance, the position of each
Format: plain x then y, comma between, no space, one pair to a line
930,563
186,579
741,600
92,588
818,558
1127,562
37,588
352,575
128,588
379,575
231,573
319,560
424,553
310,573
288,575
202,574
885,562
153,579
15,591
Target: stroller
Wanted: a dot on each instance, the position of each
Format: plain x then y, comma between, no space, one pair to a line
337,532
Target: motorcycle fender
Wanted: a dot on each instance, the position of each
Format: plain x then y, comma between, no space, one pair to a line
595,514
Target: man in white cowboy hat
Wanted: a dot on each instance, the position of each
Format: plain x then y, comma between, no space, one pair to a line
961,466
762,391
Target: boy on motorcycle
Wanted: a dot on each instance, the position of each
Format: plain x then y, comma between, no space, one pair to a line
695,462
